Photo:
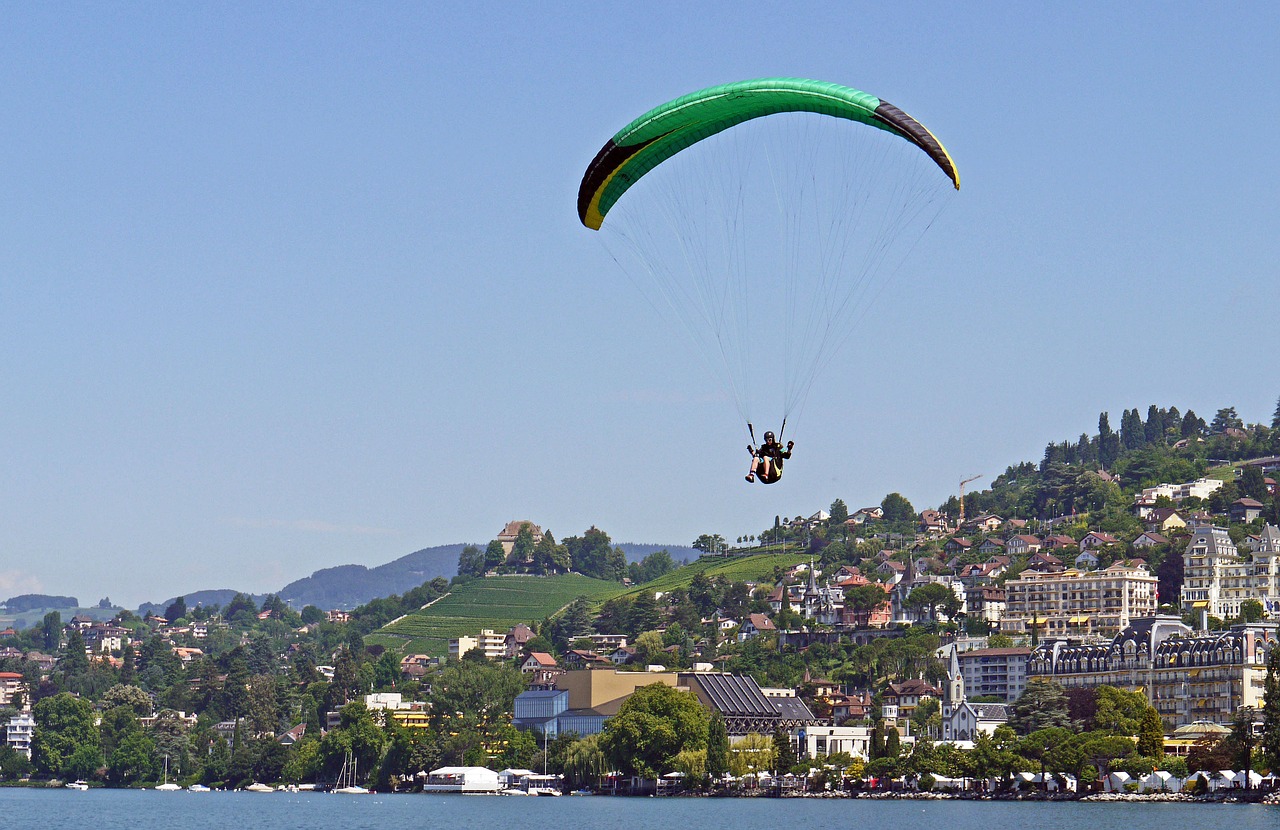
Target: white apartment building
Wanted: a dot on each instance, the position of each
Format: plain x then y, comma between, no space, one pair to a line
1217,579
1201,488
1076,603
493,645
19,731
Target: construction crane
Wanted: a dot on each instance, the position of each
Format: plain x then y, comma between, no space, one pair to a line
962,484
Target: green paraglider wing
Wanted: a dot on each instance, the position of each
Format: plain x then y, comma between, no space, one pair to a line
666,130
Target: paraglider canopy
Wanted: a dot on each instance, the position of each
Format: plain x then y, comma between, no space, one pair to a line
667,129
765,216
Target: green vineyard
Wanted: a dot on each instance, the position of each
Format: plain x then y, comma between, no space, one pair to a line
496,603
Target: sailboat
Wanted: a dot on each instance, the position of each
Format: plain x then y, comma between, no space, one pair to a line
166,786
347,777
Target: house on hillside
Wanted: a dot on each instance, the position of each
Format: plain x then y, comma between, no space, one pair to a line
985,523
508,536
1245,510
514,642
1097,539
864,515
1044,562
1022,545
755,624
1149,540
991,547
1164,519
933,523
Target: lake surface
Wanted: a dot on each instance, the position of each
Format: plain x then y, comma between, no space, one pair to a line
28,809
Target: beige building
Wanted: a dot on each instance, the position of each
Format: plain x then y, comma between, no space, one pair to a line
1217,579
1079,603
1187,676
493,645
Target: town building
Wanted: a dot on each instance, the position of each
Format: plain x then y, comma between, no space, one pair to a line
13,686
18,732
582,701
994,672
1187,676
1079,603
1217,579
507,538
490,643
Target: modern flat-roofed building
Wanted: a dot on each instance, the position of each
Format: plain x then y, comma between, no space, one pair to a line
998,672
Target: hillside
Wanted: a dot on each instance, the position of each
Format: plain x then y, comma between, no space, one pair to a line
347,586
497,603
756,568
29,617
216,596
500,602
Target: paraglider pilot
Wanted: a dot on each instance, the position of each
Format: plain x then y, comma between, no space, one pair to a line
766,461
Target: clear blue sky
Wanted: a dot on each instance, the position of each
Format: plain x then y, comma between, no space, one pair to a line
286,286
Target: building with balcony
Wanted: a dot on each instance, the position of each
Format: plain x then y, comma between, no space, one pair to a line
491,644
1187,676
1075,603
1217,578
18,732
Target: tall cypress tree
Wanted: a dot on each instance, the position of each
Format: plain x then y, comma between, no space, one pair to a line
784,754
1108,442
717,747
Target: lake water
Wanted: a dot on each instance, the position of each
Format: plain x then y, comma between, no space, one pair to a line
28,809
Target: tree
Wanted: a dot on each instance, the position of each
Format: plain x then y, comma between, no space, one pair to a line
1119,712
1225,418
1151,734
999,641
1040,706
1253,483
589,553
13,764
131,696
709,543
64,726
1275,417
74,661
470,563
929,596
241,610
133,760
1270,744
1193,426
897,510
51,631
522,548
176,610
784,754
127,667
1108,442
574,622
494,556
717,746
649,648
1154,427
751,753
839,512
653,726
